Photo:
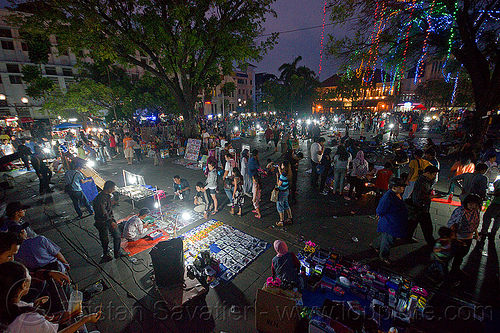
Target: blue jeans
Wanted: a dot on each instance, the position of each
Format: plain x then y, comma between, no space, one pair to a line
229,193
282,203
79,198
384,243
338,179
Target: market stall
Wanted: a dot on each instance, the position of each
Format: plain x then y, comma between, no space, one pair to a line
350,296
136,189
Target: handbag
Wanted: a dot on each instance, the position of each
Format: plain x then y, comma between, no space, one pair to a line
274,195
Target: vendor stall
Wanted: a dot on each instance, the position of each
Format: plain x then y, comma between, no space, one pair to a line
351,297
136,189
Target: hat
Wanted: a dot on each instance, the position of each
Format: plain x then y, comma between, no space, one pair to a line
13,207
17,228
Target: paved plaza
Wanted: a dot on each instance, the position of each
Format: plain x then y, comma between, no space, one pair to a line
346,227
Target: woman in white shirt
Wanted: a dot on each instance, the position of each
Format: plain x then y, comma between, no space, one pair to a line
22,317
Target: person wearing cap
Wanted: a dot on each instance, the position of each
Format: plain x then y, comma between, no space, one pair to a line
15,211
134,228
392,219
105,222
73,177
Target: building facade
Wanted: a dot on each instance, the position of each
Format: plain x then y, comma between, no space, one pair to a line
240,100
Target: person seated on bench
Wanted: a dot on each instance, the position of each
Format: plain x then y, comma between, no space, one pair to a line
181,188
134,228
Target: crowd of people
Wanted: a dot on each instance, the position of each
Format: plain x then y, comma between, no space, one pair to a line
403,185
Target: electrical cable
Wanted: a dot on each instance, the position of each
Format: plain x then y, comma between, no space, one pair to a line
106,276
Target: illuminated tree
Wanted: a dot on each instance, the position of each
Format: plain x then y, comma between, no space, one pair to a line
400,35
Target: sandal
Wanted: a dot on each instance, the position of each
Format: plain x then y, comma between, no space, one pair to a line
280,224
213,212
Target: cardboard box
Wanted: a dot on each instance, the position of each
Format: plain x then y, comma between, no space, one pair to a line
275,313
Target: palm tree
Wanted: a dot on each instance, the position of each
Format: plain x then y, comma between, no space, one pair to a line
288,70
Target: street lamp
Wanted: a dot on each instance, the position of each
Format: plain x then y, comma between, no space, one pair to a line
24,100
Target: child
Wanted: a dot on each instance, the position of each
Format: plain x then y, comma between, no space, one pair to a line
256,191
211,184
202,201
442,253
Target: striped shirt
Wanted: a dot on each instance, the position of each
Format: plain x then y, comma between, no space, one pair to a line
284,182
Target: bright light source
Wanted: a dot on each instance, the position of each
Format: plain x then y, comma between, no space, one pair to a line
72,119
25,100
236,128
46,150
186,216
157,205
219,115
209,117
407,105
391,125
336,119
90,164
331,128
299,121
3,97
308,121
94,129
100,129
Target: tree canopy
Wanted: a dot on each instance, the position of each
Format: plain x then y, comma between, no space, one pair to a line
398,35
187,45
294,91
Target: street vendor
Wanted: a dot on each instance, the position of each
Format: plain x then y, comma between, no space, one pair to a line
285,265
134,228
181,188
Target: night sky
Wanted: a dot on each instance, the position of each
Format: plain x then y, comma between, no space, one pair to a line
297,14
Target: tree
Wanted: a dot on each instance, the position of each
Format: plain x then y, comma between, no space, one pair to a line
403,34
435,93
38,44
294,90
87,98
188,45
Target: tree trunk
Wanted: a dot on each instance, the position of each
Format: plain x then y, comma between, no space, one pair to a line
189,113
480,122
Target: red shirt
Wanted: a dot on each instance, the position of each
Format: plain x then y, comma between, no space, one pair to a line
382,180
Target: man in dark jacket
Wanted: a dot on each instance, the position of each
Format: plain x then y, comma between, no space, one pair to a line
24,153
106,224
392,219
421,204
42,170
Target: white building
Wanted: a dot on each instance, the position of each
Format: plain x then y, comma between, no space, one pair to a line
13,56
237,101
